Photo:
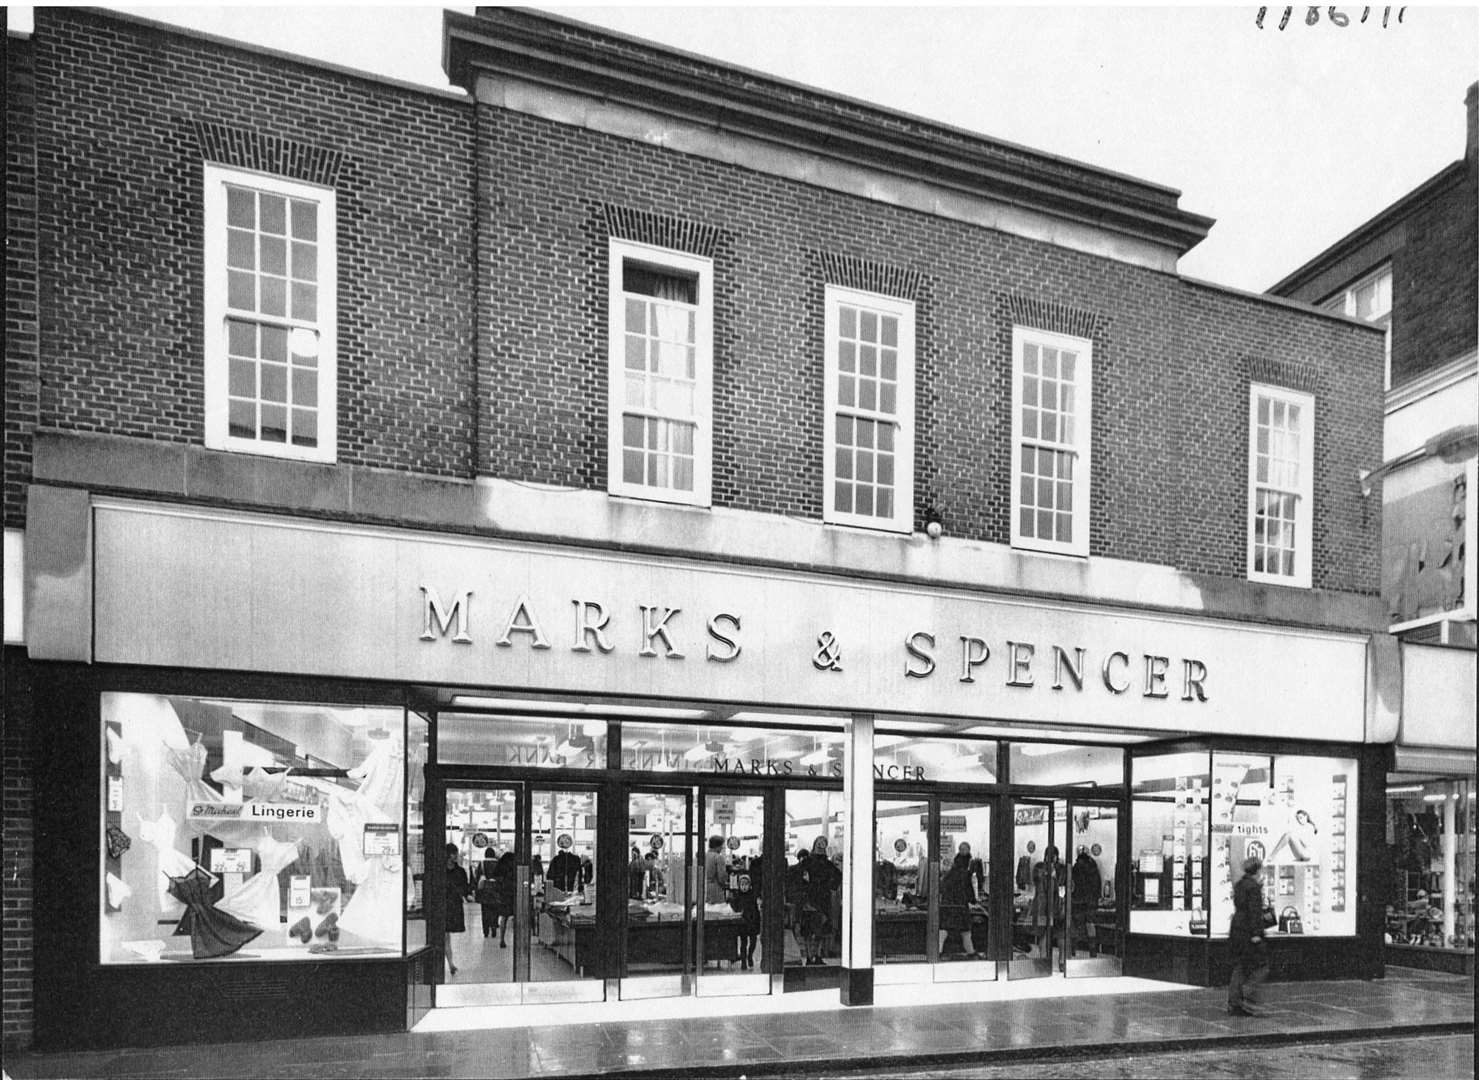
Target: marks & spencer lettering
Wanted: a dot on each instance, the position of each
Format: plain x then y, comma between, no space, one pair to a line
654,631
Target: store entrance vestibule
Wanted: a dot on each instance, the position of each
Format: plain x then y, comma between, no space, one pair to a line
530,912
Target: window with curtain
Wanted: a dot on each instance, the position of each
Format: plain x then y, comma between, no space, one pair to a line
661,327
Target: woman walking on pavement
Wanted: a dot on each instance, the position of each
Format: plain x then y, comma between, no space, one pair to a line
1247,948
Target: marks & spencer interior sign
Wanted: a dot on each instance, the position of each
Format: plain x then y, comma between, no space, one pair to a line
654,631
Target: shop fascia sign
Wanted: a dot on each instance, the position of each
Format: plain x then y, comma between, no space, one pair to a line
923,654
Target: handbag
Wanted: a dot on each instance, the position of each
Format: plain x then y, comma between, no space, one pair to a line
1269,918
1290,922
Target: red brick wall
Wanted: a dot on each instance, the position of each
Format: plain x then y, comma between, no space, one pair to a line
1173,360
22,380
1435,283
118,110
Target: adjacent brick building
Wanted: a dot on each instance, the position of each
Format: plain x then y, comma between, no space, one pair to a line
852,443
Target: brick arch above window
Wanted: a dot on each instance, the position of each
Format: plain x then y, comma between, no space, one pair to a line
1289,374
1055,316
865,275
661,230
244,148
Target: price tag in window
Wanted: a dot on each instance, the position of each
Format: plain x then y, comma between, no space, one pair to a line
115,794
382,838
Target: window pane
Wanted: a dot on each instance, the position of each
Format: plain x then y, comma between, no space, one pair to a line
241,208
241,249
243,378
241,292
636,317
274,423
274,344
274,213
847,321
305,387
305,427
890,330
843,497
843,458
868,360
305,262
274,296
241,338
847,391
243,419
847,356
868,329
274,255
305,220
868,394
885,503
864,498
274,382
305,302
888,400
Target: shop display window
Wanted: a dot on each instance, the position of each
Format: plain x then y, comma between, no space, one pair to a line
247,830
1169,847
540,742
732,751
1298,814
418,738
1430,848
922,758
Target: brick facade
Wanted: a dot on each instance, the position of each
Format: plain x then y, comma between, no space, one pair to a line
125,116
1434,309
1173,359
472,316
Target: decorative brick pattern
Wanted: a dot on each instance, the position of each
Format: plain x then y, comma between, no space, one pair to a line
1054,316
1292,375
867,276
660,230
244,148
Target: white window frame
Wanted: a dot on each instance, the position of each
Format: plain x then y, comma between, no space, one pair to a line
1303,491
703,436
1081,445
1345,303
902,518
217,417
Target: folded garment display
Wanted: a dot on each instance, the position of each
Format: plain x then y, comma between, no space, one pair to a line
213,932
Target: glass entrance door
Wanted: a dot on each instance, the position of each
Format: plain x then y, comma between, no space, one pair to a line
660,928
518,906
1094,939
963,928
1039,879
731,908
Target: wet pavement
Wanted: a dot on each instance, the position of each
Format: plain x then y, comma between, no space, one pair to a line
1431,1057
1062,1025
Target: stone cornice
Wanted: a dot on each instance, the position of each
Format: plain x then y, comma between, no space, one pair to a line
573,57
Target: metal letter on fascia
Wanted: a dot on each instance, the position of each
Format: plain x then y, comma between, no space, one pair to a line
918,653
1189,680
657,628
530,625
1020,667
1109,685
590,622
436,619
973,653
1155,676
723,639
1075,668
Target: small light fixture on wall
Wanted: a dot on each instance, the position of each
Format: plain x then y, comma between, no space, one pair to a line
933,526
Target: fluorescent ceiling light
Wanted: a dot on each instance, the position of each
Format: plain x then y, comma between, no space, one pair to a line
883,741
786,719
911,725
1041,749
1076,735
1405,787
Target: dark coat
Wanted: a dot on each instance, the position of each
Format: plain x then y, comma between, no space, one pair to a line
458,889
955,899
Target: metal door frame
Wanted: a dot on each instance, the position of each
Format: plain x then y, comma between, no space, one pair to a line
640,987
1044,966
746,984
1086,967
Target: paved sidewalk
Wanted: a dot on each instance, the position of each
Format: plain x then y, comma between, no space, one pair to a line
993,1028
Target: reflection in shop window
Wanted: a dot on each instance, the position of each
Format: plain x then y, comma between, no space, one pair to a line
250,830
541,742
1169,846
732,751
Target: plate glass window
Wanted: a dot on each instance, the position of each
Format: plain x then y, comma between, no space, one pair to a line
661,329
1052,380
269,297
1280,467
869,465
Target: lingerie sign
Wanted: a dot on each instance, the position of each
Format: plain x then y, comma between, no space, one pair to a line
255,811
